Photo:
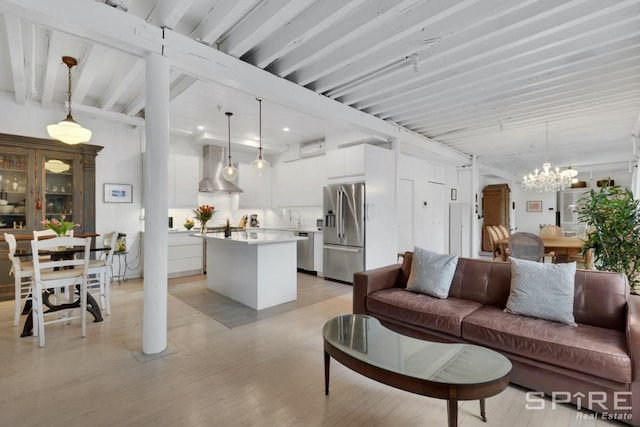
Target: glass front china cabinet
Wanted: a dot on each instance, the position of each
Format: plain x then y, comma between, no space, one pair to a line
43,179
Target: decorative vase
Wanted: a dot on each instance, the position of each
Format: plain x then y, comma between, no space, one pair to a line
203,227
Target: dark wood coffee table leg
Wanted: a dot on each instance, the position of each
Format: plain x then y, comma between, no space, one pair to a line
483,413
452,412
327,360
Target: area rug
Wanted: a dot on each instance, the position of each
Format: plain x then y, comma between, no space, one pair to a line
311,290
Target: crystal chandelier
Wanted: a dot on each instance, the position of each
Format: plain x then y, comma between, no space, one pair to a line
546,180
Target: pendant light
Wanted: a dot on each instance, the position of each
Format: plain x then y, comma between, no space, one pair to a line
547,180
230,173
68,130
259,165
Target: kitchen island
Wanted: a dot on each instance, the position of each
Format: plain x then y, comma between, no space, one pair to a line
256,268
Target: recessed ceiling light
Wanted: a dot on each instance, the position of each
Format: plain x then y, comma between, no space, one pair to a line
200,127
286,129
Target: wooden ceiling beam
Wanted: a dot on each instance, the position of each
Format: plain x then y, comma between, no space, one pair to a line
53,66
594,46
511,106
91,64
318,18
167,13
15,41
219,18
359,22
569,73
529,29
260,23
416,28
118,86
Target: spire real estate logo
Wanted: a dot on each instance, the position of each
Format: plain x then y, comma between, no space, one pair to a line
612,407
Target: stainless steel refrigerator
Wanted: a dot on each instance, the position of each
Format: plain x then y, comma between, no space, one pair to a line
343,231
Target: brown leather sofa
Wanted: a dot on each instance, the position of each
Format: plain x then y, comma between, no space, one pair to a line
596,364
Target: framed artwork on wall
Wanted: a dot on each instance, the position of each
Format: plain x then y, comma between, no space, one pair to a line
118,193
534,205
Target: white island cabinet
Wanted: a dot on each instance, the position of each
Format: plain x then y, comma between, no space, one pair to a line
255,268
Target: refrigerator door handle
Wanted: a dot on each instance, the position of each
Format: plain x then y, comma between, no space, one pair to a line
339,223
342,249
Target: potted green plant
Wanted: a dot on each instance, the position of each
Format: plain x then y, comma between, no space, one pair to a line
612,217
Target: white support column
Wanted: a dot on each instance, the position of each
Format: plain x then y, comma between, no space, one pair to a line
476,199
155,181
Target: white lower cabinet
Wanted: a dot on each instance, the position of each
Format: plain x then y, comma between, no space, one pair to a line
184,255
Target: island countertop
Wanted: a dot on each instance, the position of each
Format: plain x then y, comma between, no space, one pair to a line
258,237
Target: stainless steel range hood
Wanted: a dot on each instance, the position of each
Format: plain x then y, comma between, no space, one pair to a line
213,181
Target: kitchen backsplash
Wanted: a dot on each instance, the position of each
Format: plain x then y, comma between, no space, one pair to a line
227,207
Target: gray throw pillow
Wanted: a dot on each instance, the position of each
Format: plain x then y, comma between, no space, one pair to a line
431,273
544,291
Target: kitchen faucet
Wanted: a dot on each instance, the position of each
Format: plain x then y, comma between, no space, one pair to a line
291,211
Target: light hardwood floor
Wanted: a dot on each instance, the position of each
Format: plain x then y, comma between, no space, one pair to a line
265,373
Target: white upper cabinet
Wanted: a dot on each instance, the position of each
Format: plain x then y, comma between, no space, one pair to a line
300,182
183,179
256,188
346,162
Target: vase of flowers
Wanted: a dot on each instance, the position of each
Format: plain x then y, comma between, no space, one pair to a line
203,214
60,226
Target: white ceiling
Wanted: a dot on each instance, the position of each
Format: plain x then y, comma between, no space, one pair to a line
480,76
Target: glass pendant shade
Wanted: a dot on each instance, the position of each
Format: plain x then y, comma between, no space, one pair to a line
68,130
230,172
260,165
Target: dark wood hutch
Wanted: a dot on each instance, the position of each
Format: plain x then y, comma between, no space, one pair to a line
43,179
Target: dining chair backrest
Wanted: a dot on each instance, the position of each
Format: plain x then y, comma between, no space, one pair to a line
52,246
101,272
526,246
503,231
43,233
13,245
550,230
110,240
22,272
494,237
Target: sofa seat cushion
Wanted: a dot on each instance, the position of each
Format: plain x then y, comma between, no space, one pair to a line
599,351
442,315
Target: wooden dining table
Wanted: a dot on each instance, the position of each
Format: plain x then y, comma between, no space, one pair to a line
563,247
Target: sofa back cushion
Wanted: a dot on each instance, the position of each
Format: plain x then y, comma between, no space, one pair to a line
600,297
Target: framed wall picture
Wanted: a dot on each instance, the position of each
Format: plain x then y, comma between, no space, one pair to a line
118,193
534,206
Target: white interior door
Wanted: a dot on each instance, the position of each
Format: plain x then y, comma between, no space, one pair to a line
435,212
405,215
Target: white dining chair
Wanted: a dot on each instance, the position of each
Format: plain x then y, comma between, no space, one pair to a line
65,275
49,233
100,273
37,234
22,272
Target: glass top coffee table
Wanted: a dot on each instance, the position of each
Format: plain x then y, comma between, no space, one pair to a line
445,371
